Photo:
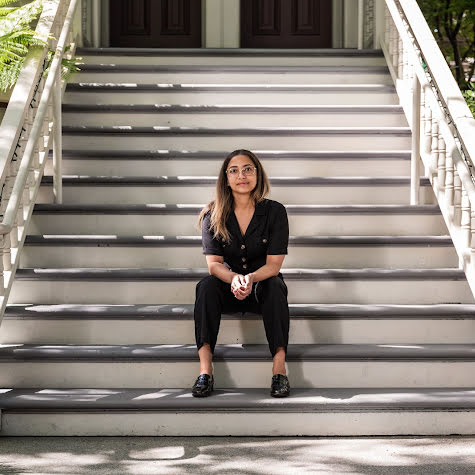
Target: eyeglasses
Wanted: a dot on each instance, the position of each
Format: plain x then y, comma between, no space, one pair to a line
246,171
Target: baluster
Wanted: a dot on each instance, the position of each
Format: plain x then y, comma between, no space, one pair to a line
472,234
387,27
400,55
393,45
41,141
7,254
457,198
2,280
427,130
20,218
434,156
466,233
449,182
441,164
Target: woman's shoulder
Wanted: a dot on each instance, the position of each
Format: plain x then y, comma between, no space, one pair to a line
273,206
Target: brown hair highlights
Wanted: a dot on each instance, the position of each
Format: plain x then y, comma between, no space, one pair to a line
222,206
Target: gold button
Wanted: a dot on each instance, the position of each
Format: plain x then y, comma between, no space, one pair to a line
243,246
264,240
243,259
244,266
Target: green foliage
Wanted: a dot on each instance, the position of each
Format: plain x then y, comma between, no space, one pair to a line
16,37
469,96
453,25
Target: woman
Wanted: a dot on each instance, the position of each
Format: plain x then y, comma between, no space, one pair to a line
245,238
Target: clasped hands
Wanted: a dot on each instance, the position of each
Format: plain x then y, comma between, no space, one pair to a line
241,285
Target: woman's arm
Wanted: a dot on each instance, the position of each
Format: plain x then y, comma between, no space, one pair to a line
217,268
269,269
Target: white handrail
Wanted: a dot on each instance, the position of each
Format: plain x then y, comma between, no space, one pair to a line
442,125
26,180
51,82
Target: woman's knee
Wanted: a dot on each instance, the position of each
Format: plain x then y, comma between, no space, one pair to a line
274,286
210,283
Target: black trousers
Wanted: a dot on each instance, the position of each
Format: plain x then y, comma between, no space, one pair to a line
268,297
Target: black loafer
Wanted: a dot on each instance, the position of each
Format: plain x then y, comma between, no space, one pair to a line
280,386
203,386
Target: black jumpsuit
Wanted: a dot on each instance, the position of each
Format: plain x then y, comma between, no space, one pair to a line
267,233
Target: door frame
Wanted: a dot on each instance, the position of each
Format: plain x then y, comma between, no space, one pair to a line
220,21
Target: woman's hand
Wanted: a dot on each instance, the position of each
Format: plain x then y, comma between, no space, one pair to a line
241,285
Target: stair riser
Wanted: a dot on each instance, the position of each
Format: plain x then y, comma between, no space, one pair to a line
198,194
153,225
198,167
226,97
340,256
303,331
314,77
213,142
166,292
239,423
237,374
238,119
234,59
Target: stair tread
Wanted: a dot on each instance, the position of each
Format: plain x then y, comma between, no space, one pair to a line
132,130
174,68
239,352
211,180
226,88
232,52
219,155
114,240
181,274
248,399
167,108
185,311
194,209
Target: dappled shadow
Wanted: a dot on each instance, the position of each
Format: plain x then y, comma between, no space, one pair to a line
244,455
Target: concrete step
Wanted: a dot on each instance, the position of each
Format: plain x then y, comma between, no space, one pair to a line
237,366
232,56
149,286
48,411
187,162
305,138
220,94
364,220
232,116
76,324
178,189
230,74
251,412
186,251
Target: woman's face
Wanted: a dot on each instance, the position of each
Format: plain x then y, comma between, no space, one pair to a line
244,178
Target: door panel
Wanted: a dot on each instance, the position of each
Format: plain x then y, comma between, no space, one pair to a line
155,23
286,24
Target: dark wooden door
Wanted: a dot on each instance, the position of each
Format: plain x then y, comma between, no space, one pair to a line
286,23
155,23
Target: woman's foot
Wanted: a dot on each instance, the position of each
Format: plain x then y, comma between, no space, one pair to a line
280,386
203,386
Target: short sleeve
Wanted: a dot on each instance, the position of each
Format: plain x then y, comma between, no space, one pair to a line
210,244
278,231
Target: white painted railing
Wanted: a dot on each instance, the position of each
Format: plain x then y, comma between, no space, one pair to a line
443,127
30,126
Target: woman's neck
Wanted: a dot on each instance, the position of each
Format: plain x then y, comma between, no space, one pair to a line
243,202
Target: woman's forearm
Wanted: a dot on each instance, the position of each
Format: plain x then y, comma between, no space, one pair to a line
222,272
264,272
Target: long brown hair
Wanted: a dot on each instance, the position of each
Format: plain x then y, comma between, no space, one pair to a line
222,206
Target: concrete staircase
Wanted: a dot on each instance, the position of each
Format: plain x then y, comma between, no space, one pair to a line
98,336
